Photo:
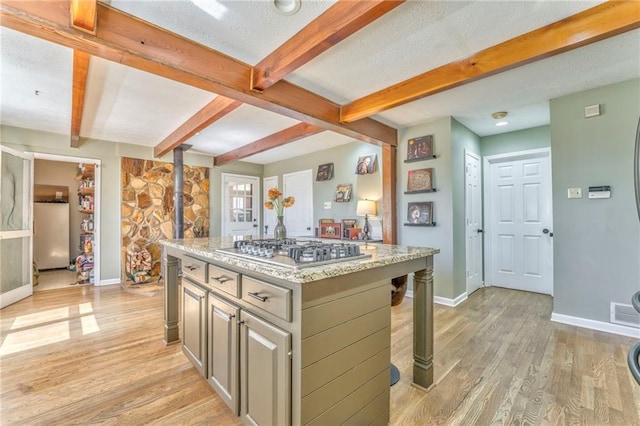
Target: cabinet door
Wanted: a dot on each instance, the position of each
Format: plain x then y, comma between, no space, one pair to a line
223,351
194,325
265,372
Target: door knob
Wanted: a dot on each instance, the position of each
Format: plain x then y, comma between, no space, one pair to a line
255,225
480,231
546,231
308,228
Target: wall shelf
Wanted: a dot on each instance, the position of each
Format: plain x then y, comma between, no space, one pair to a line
432,224
415,160
420,191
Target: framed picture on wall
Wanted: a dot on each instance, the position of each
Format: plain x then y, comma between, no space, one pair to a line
325,172
420,148
420,214
420,180
366,164
343,193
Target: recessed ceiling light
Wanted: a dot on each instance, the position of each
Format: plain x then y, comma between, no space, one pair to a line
286,7
502,123
499,115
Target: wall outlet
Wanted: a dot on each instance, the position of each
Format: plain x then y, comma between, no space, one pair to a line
574,193
327,205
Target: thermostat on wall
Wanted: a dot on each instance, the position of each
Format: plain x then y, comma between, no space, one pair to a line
600,191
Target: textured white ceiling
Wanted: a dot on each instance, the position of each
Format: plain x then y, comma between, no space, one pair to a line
126,105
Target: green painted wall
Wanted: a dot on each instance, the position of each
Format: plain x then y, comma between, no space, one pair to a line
344,159
596,242
440,236
461,139
520,140
110,153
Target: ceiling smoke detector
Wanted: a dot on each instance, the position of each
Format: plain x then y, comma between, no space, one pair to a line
286,7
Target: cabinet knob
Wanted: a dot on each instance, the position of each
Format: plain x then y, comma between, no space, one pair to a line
241,322
231,316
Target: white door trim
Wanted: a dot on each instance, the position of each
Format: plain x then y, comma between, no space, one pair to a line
486,175
96,210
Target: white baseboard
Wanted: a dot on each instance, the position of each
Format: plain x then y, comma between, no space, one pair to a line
596,325
109,282
443,300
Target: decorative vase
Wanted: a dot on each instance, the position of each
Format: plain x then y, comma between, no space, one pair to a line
280,232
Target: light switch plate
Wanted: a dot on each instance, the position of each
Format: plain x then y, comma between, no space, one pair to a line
327,205
574,193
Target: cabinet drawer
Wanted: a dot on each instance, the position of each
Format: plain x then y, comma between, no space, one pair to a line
268,297
224,280
195,269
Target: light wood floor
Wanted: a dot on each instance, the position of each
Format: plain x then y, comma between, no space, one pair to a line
89,355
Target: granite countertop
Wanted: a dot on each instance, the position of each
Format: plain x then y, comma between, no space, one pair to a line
381,255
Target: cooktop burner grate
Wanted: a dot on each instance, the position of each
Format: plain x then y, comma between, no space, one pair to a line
294,253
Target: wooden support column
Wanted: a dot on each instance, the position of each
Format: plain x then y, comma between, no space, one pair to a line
171,297
389,194
423,326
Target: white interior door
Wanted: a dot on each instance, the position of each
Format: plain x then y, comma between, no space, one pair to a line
473,221
520,212
268,216
298,219
241,205
16,229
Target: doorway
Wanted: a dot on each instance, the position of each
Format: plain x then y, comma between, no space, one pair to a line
241,205
473,222
299,219
269,217
81,177
519,221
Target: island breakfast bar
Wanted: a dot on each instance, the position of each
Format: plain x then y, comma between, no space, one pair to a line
294,345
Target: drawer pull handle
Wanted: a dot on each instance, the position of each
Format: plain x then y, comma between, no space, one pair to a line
257,296
221,279
191,267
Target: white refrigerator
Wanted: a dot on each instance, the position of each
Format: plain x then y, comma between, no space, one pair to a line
51,235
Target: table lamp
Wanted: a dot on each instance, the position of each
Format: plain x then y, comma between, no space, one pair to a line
366,208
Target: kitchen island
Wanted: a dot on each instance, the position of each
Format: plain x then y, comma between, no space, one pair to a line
284,345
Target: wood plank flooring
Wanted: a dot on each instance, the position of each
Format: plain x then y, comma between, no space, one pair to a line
94,355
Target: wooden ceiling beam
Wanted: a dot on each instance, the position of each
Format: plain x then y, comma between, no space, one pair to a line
338,22
597,23
202,119
80,73
283,137
130,41
83,15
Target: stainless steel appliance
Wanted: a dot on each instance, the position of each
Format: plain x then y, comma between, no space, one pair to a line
295,254
51,235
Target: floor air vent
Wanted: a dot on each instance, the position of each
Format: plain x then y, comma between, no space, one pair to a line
624,315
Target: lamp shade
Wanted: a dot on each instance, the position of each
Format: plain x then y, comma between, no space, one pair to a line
366,207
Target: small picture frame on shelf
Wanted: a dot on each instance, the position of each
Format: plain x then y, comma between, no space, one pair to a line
343,193
325,172
420,180
420,214
420,148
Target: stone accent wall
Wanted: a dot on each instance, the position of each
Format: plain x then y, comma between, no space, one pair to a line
147,206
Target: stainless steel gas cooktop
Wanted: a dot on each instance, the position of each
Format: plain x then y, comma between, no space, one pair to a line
293,253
